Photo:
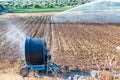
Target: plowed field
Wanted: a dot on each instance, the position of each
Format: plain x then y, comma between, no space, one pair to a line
73,45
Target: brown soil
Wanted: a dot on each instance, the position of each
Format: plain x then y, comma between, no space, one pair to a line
13,15
74,46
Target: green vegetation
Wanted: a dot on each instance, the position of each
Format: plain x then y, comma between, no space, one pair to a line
1,8
20,6
39,10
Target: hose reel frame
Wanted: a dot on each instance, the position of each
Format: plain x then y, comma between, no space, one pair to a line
37,57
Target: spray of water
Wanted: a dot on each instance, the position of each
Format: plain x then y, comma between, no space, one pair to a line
100,11
16,36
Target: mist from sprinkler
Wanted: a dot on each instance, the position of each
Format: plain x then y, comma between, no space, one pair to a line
100,11
16,36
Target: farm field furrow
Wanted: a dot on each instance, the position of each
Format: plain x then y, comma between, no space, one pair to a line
72,45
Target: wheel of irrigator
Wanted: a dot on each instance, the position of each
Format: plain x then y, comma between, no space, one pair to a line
24,71
35,51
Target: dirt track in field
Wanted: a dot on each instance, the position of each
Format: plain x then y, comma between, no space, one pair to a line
13,15
81,46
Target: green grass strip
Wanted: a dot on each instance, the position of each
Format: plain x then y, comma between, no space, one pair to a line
38,10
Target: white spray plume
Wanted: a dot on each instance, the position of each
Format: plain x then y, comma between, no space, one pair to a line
100,11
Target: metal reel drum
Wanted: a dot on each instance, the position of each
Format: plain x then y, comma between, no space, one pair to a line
35,51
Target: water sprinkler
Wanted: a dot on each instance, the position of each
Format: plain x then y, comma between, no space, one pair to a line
37,57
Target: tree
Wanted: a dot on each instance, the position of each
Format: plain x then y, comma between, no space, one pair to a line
37,6
1,8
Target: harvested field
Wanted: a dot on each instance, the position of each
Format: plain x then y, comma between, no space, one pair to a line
75,46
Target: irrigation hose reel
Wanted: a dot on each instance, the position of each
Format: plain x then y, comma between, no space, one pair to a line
37,57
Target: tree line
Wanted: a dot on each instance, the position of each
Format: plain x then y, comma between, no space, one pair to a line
21,4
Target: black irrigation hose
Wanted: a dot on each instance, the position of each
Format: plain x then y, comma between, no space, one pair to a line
35,51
